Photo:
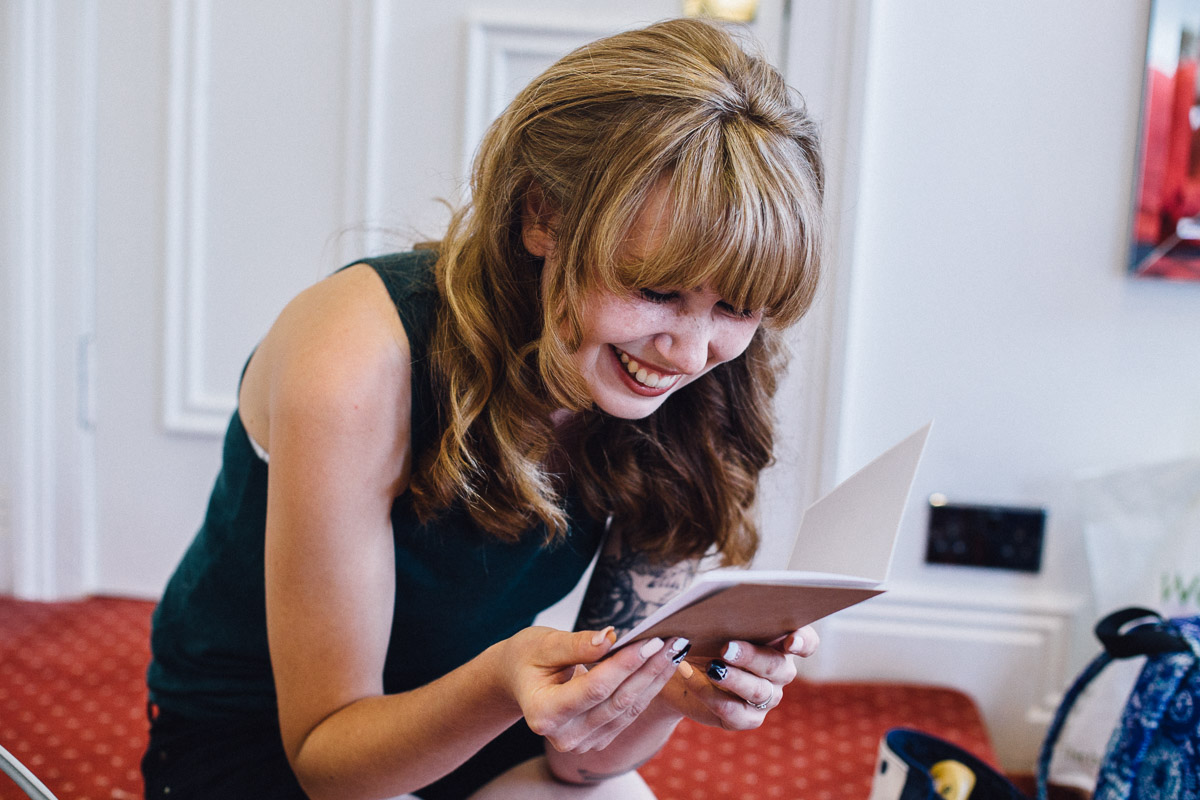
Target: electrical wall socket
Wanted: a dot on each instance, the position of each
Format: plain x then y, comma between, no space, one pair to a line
998,537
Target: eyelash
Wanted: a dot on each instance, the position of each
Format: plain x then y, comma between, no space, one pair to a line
666,297
657,297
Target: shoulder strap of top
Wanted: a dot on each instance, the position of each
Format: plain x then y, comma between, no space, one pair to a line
410,281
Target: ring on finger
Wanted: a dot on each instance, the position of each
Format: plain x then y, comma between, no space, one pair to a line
763,705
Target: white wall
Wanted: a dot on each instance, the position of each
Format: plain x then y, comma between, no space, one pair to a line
988,292
6,292
989,289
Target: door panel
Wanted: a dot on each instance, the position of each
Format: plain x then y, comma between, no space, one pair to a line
245,150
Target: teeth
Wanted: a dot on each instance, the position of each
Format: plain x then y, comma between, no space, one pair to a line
642,375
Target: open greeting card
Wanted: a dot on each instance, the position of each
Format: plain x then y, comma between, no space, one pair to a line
841,557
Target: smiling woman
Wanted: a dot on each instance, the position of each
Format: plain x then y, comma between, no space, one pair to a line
430,447
636,347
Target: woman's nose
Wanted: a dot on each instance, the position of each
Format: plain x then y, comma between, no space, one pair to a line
686,346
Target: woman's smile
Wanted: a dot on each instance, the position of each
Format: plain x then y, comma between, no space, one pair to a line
645,378
635,352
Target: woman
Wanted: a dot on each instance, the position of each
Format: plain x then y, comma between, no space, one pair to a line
588,355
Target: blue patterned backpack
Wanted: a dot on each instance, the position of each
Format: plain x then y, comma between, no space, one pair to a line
1154,753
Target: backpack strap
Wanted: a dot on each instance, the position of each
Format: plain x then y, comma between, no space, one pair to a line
1152,638
1060,720
1121,639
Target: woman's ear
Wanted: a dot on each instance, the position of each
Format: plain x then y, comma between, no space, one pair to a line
538,223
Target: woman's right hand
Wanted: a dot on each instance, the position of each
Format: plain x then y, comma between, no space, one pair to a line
579,708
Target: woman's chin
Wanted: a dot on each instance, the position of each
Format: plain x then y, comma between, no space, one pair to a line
628,405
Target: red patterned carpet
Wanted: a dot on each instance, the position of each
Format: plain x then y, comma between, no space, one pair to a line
72,709
72,694
819,744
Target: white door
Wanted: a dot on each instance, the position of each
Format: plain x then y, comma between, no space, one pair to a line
244,150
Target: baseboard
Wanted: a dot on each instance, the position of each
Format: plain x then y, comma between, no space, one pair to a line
1009,655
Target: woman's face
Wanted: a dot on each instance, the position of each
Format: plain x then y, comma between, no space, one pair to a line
639,348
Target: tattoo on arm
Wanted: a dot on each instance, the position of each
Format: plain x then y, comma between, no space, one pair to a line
626,587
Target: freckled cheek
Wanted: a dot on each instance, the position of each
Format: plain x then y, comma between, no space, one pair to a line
620,326
729,346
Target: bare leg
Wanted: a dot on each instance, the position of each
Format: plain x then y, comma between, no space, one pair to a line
533,781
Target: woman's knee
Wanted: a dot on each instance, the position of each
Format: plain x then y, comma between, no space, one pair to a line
532,780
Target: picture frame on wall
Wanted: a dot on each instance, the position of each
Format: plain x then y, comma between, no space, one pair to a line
1165,220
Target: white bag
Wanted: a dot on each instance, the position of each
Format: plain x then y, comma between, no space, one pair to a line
1141,528
1142,532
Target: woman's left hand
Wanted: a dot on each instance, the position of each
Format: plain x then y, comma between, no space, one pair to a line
736,691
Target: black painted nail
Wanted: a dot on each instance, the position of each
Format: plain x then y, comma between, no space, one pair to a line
717,670
682,653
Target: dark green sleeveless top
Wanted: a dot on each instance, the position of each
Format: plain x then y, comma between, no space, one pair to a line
458,590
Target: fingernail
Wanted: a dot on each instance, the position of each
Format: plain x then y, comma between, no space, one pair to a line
732,651
685,669
797,644
651,647
600,636
717,670
681,647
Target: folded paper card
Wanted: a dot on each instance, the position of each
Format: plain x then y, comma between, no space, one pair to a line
841,557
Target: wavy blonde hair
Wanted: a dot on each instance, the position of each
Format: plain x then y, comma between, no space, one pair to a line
681,101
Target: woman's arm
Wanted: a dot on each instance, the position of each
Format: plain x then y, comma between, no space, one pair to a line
626,587
328,394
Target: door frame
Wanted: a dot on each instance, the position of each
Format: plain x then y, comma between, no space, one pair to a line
50,267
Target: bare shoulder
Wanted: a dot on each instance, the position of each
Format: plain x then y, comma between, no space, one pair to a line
627,586
337,356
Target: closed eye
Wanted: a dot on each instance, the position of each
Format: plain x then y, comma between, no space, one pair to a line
657,297
740,313
660,298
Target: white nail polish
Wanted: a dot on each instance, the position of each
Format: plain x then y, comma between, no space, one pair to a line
651,647
732,651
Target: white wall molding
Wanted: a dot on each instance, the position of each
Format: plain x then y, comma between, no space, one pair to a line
190,405
501,49
370,32
1010,656
496,48
33,487
827,49
828,54
53,497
